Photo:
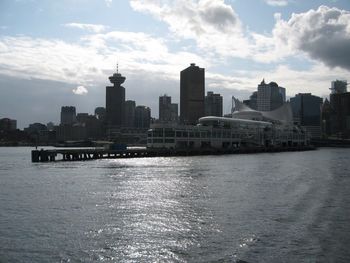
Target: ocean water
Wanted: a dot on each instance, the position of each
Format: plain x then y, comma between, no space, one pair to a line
268,207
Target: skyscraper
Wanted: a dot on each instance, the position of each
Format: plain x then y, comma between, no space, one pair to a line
115,100
191,94
142,117
168,112
129,120
270,96
307,112
340,109
213,104
338,86
100,113
68,115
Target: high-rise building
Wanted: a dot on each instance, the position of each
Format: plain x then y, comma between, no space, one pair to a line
7,124
338,87
68,115
191,94
340,110
213,104
270,96
326,111
142,117
115,100
174,112
253,101
100,113
307,112
82,117
129,120
168,112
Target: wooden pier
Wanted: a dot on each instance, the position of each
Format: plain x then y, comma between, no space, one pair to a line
82,154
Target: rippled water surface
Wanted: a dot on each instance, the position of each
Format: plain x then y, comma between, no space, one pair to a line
280,207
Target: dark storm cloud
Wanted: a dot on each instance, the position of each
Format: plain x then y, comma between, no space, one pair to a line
220,16
324,34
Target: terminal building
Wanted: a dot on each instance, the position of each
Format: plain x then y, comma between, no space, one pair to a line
246,128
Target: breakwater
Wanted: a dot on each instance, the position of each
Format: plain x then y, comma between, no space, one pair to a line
82,154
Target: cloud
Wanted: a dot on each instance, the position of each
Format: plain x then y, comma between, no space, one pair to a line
277,2
212,24
89,27
108,3
92,58
322,34
80,90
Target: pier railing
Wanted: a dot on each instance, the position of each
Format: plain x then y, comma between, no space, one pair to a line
52,155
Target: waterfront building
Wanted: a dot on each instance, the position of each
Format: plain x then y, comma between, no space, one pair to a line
191,94
7,124
270,96
168,112
75,132
68,115
142,117
115,100
246,128
307,112
129,120
128,135
213,104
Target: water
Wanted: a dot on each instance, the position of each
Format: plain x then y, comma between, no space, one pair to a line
280,207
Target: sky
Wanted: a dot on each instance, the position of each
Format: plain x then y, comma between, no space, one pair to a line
61,53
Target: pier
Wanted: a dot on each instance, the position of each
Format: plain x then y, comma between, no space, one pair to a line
53,155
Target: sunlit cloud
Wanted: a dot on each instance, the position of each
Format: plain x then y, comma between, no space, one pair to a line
80,90
277,2
108,3
89,27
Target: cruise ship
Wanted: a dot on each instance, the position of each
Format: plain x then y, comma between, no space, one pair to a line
246,128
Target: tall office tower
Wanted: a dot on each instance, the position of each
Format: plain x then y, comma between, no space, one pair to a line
100,113
164,108
253,101
191,94
142,117
129,120
326,111
340,109
7,124
270,96
115,100
68,115
307,112
213,104
338,86
168,112
174,112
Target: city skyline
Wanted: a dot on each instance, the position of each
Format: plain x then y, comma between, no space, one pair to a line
67,59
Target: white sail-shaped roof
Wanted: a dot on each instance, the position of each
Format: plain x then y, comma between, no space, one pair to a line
282,114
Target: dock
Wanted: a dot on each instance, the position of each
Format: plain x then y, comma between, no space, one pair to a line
52,155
